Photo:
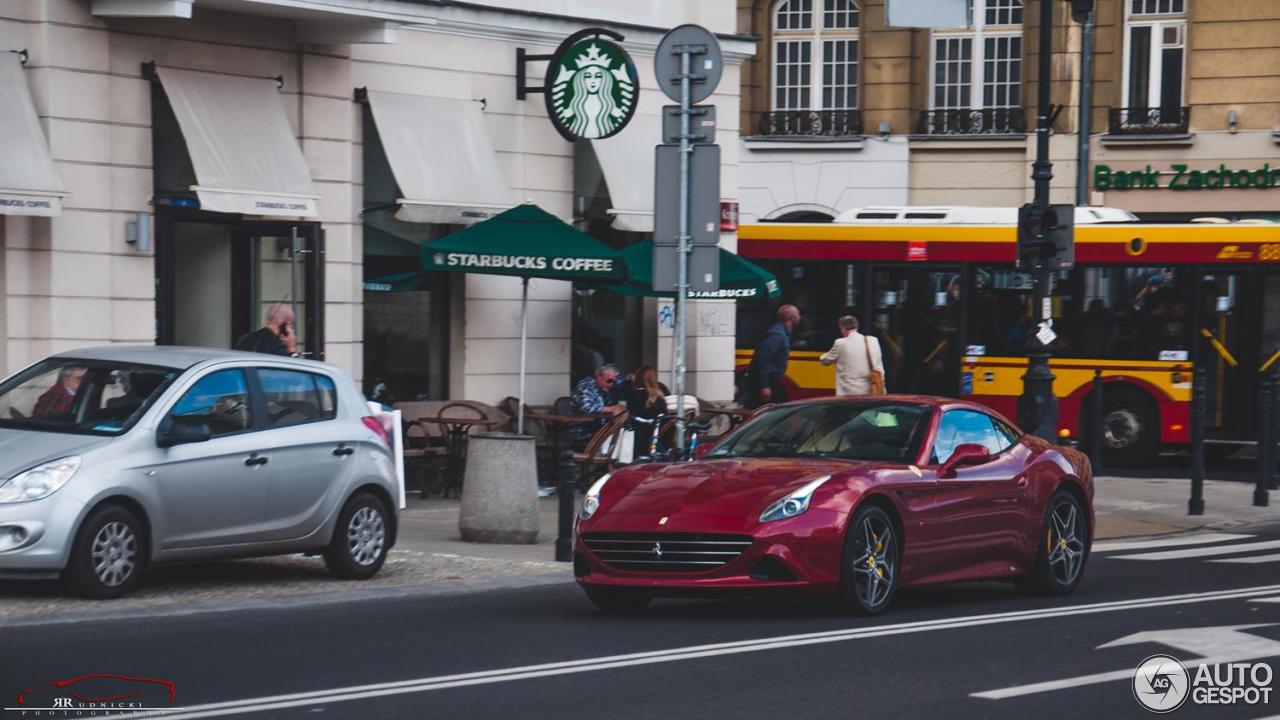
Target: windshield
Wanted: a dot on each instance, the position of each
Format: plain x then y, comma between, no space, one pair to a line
81,396
884,431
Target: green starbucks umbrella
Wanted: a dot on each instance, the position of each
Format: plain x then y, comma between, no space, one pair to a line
740,279
527,242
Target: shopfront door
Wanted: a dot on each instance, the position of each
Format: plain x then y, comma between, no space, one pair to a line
217,281
916,316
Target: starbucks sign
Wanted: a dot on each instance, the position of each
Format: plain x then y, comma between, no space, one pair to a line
591,89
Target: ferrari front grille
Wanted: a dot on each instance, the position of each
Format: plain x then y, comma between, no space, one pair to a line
665,552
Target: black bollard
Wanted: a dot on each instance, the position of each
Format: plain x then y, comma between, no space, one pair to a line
568,493
1266,441
1199,400
1095,437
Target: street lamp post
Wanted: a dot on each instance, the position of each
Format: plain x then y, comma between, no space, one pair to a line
1038,406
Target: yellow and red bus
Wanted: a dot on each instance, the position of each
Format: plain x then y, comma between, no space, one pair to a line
938,287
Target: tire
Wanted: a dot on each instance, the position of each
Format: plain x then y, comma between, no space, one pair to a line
1131,429
1060,556
360,538
618,600
870,562
108,555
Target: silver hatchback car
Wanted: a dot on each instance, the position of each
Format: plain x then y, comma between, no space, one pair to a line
115,459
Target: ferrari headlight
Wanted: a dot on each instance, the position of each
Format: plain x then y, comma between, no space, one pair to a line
591,502
795,503
40,481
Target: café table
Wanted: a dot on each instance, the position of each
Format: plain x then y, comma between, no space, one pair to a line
456,429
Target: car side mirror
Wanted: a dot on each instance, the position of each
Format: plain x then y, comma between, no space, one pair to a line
182,431
964,455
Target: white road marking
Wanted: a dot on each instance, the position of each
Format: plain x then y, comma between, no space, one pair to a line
486,677
1251,560
1202,539
1202,552
1212,645
1266,600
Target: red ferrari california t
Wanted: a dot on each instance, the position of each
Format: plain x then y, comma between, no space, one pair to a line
853,498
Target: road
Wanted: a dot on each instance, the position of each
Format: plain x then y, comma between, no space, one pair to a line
969,651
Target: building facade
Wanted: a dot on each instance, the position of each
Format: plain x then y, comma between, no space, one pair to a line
182,165
840,110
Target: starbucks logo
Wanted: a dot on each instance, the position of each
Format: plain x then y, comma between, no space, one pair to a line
592,89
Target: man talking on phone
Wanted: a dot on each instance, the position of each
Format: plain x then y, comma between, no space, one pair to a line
275,337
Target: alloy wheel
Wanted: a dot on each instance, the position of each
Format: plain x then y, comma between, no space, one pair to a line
1064,542
115,551
366,536
875,563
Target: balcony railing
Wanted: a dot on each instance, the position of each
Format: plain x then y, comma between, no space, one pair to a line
1150,121
810,123
973,121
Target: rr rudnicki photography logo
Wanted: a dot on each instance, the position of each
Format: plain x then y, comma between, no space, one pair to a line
97,695
1163,684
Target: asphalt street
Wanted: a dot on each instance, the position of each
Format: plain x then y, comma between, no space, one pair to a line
967,651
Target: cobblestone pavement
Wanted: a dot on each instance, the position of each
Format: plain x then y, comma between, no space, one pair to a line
267,581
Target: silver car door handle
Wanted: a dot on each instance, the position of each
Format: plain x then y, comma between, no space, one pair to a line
343,451
255,460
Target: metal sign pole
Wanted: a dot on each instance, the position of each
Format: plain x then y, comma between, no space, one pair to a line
682,287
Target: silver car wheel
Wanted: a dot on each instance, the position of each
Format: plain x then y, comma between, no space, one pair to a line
366,536
115,549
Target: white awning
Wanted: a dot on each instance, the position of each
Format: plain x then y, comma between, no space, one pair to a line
442,158
626,159
244,153
29,182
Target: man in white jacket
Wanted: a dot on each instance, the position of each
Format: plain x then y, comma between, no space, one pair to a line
856,356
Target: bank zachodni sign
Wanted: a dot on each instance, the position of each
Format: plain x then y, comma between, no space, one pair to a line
1180,177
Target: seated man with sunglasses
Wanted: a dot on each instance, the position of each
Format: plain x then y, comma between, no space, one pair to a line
593,395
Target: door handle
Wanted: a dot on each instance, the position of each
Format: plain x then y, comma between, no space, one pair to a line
255,460
343,451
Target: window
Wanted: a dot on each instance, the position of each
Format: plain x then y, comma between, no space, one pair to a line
980,66
815,55
967,427
81,396
1155,53
220,400
294,398
886,431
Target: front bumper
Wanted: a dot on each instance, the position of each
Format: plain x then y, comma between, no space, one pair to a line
35,537
800,554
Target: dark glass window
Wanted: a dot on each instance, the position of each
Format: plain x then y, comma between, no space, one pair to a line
294,398
220,400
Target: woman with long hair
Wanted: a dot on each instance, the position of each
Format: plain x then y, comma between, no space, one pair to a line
595,114
646,398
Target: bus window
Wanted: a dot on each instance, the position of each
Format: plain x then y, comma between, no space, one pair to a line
823,291
1131,313
1000,316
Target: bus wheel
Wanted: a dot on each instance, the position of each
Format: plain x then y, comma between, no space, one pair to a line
1130,429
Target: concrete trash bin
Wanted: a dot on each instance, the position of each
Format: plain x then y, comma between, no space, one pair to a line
500,489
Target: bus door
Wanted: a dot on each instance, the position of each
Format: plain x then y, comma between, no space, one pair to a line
916,314
1230,345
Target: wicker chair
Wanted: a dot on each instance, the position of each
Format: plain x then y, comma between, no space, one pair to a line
598,455
419,455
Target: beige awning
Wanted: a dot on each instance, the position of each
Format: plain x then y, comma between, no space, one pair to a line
29,182
245,155
442,158
626,160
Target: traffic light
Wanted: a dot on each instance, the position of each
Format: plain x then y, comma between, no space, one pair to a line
1046,236
1080,10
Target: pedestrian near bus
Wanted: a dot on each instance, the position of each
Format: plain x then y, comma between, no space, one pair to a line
858,360
769,361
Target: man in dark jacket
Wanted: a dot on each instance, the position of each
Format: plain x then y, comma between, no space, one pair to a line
275,337
769,362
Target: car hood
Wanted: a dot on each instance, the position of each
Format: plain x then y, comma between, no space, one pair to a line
23,449
737,487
